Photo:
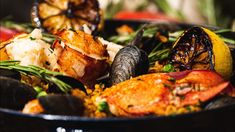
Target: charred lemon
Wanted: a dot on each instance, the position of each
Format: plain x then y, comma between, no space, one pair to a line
53,15
200,48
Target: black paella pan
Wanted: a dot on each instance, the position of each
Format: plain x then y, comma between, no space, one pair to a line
219,120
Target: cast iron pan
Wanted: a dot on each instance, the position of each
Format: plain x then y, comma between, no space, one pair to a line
217,120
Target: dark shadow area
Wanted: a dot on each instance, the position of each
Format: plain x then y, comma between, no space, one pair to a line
18,10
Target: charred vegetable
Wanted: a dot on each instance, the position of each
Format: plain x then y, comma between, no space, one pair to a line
14,94
53,15
129,62
200,48
56,104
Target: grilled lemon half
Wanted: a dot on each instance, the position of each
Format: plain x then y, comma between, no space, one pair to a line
201,49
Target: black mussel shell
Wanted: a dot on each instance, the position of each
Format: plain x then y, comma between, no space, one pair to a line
62,105
220,102
129,62
74,83
14,94
10,73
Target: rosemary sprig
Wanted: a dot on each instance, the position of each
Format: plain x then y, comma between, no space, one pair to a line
228,40
160,52
148,32
39,72
50,38
223,31
157,55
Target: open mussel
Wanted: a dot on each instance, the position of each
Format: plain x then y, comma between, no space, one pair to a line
129,62
14,94
10,73
220,101
56,104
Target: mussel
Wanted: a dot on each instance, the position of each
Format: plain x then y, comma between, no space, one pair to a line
129,62
14,94
220,101
9,73
56,104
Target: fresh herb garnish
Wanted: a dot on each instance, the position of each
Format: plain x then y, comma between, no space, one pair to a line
168,68
124,39
40,91
158,53
174,35
50,38
44,74
103,106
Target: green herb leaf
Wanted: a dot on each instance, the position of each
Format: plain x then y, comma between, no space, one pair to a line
39,72
103,106
40,91
168,68
149,31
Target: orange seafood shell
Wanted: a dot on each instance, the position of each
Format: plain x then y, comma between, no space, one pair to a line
158,92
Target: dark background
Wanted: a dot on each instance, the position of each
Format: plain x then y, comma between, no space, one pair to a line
20,9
